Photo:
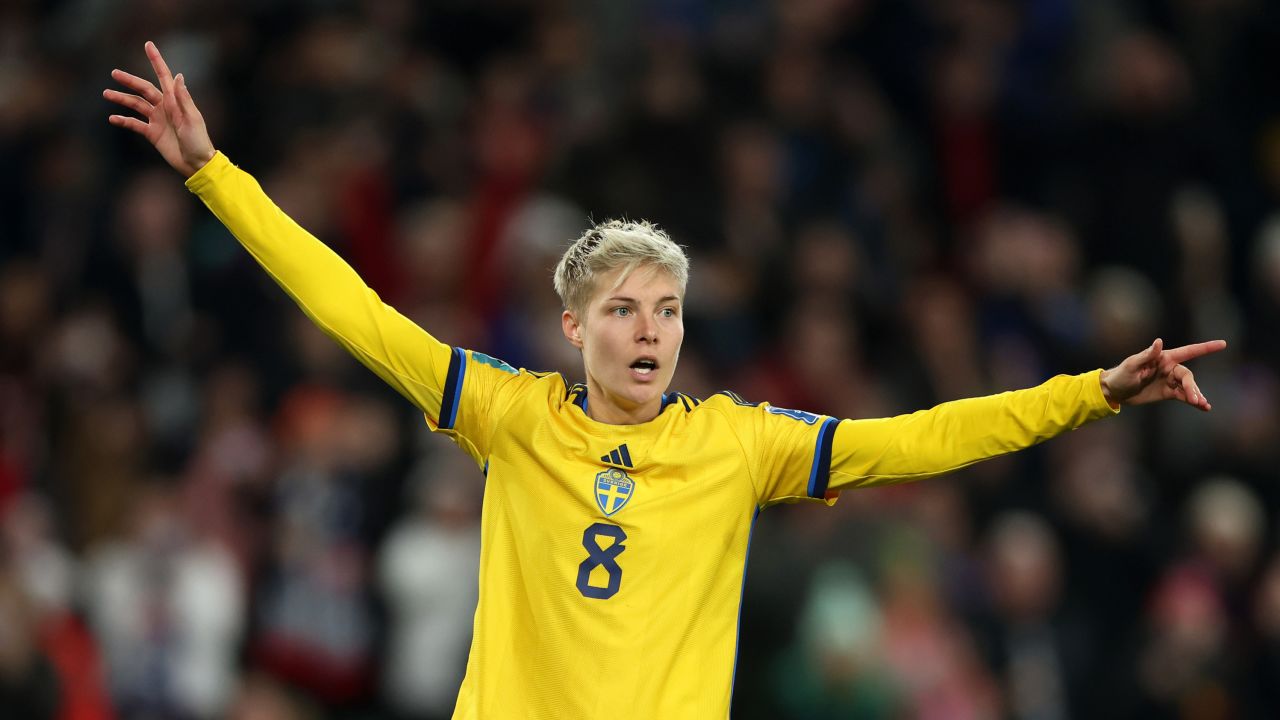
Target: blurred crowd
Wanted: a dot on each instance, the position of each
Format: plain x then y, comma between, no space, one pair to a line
207,510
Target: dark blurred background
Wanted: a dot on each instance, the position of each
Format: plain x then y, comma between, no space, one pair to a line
208,510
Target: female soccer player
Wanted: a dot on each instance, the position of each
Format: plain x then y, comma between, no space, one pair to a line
617,515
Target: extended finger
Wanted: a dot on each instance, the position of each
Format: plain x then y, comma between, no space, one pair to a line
158,64
171,104
131,123
1190,352
1152,353
1185,380
1197,398
133,102
187,103
1144,363
139,85
182,98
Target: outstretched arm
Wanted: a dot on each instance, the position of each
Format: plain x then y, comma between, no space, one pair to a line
327,289
956,434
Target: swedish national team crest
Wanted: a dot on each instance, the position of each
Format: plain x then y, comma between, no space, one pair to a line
613,490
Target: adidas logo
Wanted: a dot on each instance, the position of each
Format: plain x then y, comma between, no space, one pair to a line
619,456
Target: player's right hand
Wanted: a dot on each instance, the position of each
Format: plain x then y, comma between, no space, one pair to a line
172,123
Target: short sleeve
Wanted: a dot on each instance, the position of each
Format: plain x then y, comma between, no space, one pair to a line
478,391
792,453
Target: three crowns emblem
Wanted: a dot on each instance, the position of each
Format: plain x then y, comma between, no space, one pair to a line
613,486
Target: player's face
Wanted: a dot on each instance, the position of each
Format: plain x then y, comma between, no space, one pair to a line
630,336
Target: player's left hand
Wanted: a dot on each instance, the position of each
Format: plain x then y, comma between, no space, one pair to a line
1157,374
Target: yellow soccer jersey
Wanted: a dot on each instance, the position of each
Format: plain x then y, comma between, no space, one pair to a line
613,556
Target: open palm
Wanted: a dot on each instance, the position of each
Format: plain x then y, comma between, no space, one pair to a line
173,124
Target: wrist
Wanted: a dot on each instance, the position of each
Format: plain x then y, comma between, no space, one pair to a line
199,160
1108,394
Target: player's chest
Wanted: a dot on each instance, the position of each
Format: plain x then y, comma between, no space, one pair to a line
627,517
620,478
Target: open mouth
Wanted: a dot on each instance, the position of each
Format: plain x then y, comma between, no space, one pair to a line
644,366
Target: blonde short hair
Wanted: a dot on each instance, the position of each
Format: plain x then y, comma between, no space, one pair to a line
610,245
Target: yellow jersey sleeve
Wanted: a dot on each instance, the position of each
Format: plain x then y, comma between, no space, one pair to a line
957,434
479,391
431,374
802,456
785,450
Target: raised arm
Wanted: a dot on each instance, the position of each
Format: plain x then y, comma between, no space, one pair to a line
327,289
956,434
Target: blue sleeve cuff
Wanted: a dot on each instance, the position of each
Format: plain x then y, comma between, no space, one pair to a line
453,390
820,473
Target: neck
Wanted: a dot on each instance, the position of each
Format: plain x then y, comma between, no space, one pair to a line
608,410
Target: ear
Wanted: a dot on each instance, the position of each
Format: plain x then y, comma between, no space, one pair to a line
572,329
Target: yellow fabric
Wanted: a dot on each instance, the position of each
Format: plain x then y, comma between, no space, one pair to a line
324,286
574,619
959,433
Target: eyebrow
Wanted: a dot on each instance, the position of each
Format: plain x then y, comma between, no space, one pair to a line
633,301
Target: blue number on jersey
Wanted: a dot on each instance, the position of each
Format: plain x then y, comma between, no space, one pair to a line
601,557
806,417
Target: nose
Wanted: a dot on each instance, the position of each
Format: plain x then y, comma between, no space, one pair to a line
647,332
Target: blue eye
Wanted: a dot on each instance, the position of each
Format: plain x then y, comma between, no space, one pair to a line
622,311
668,312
